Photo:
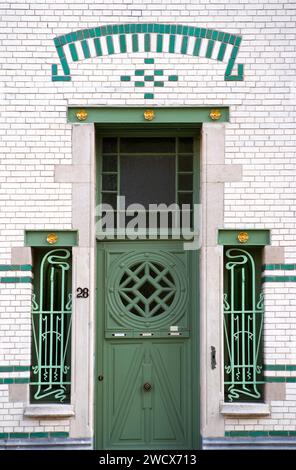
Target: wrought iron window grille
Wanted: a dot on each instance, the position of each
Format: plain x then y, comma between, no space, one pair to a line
51,327
243,326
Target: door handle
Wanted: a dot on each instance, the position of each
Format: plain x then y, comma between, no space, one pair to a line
147,387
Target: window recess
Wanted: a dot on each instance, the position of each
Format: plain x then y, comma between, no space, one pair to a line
51,326
243,312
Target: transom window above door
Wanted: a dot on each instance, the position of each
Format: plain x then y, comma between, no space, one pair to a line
147,170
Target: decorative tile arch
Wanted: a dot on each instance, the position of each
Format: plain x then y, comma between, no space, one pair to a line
148,37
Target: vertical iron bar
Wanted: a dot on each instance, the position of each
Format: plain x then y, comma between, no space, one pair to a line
61,366
51,329
232,326
243,326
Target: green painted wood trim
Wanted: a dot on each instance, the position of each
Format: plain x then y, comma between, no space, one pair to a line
15,280
15,267
259,433
279,279
180,116
38,238
15,368
256,237
33,435
279,267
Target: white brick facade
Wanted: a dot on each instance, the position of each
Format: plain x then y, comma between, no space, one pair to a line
36,137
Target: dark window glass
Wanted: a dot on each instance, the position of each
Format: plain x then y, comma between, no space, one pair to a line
185,163
109,182
110,163
184,198
185,182
185,145
147,145
147,180
108,198
110,145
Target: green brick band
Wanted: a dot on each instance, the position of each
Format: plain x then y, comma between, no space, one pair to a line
259,433
15,280
15,368
15,267
14,380
278,279
33,435
279,267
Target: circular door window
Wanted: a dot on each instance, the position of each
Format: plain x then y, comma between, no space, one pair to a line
147,289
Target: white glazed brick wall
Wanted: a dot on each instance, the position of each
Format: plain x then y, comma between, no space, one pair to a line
34,136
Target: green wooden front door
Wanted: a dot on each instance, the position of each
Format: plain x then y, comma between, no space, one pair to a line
147,297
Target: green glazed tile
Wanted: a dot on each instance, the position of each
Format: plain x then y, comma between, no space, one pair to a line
110,45
197,47
122,43
85,48
210,49
39,435
135,43
73,52
221,52
221,36
232,39
172,44
159,43
147,42
184,45
98,47
226,37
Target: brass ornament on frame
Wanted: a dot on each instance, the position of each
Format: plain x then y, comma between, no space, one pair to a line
215,114
52,238
81,115
243,237
149,114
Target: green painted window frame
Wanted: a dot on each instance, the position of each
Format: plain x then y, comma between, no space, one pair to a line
243,319
51,325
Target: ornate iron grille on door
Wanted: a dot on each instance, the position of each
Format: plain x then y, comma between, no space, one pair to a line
243,324
51,325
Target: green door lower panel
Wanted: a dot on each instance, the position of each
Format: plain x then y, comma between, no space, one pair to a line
147,348
159,416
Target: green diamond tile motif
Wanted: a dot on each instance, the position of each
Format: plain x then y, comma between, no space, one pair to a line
149,77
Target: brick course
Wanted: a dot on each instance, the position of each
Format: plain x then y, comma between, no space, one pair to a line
35,137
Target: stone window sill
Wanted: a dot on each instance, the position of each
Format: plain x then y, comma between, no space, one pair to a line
49,411
246,410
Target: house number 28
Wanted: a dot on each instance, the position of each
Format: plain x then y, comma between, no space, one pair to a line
82,292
